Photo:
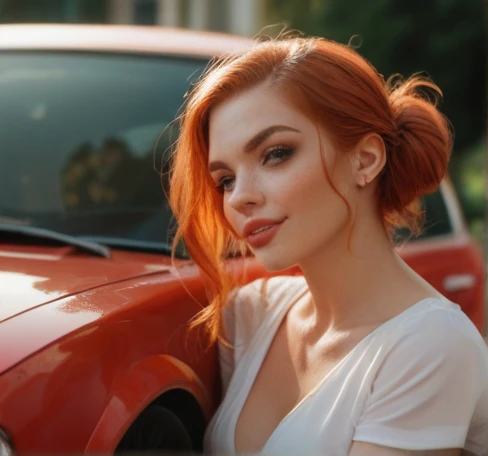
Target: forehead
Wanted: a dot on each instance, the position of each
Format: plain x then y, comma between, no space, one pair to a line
237,119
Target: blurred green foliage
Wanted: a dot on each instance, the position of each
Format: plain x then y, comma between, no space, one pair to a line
444,39
469,173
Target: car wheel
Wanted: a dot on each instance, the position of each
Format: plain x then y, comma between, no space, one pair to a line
156,428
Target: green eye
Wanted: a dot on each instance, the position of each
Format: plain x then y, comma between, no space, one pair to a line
278,154
225,184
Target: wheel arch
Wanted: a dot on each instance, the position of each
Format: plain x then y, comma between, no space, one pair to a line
160,379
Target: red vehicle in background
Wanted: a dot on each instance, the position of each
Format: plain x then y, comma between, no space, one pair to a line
93,318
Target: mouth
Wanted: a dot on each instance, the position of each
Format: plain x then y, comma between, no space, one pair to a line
263,234
259,230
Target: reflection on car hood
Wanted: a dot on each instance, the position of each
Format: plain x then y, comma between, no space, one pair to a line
31,276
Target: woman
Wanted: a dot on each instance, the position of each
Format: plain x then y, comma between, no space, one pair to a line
299,151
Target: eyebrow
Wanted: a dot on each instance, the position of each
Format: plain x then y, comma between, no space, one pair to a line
254,143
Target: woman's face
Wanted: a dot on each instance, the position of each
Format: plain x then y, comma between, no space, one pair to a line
264,156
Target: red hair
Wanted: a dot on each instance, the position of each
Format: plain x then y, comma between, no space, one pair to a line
338,89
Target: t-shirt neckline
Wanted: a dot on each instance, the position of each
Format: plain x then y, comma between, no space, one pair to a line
261,344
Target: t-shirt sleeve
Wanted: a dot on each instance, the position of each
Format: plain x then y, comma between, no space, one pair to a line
426,391
225,349
240,317
247,308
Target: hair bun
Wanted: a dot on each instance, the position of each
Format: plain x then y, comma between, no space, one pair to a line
419,154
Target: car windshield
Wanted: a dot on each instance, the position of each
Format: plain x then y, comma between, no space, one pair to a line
79,135
78,141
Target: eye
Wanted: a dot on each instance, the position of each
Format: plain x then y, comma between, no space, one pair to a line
225,184
278,154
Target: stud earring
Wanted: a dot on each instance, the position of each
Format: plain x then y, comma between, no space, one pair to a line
364,181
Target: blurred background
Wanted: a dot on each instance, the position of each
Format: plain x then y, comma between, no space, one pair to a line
444,38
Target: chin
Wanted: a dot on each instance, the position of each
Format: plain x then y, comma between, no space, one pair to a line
273,262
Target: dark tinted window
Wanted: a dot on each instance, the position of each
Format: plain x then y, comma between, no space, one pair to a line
77,144
78,137
437,220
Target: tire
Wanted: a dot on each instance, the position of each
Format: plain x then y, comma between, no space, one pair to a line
156,429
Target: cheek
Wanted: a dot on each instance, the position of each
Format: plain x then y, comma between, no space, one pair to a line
230,214
315,200
305,189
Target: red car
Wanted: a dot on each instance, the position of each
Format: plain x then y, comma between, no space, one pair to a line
93,318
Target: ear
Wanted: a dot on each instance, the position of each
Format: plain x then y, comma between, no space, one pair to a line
369,159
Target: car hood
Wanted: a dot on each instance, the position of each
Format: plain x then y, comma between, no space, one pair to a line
31,276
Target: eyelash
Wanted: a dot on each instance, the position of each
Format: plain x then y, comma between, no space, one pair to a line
282,153
278,154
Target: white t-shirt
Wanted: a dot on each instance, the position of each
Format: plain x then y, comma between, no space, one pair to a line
418,381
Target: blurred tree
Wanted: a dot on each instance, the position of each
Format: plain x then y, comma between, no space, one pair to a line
444,38
25,11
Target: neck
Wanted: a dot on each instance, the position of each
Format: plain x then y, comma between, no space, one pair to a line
352,282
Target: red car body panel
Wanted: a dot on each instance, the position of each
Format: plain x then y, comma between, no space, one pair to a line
127,342
460,256
88,342
60,273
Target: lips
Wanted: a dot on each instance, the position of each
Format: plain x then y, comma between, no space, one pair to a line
261,232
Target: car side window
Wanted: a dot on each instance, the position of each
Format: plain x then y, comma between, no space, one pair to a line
437,220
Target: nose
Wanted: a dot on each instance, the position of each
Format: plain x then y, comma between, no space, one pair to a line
246,194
